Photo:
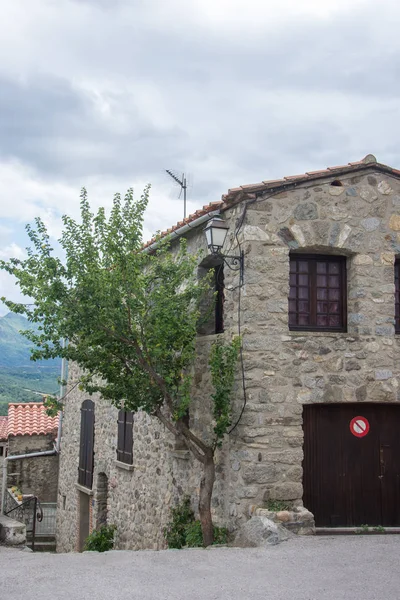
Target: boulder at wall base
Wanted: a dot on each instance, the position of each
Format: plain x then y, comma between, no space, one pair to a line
260,532
12,533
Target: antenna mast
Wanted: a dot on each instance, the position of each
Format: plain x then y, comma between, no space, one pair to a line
183,185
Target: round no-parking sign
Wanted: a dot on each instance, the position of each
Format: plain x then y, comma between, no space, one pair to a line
359,426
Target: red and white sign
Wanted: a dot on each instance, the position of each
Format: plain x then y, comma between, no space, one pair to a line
359,426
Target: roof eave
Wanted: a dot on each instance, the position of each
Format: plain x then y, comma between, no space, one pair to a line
235,195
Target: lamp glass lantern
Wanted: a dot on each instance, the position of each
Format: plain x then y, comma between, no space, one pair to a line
216,231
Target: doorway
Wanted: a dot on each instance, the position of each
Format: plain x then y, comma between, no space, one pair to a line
351,466
84,518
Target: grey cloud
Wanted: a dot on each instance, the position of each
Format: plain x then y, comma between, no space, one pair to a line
238,107
54,127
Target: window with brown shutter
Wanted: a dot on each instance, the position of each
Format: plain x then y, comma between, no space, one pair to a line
317,296
125,437
86,450
397,294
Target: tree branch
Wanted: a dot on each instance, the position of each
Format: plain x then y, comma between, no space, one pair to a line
143,362
183,429
200,457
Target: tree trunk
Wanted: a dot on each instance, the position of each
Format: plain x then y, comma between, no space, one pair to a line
206,489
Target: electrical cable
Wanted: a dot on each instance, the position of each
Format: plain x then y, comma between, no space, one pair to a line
239,287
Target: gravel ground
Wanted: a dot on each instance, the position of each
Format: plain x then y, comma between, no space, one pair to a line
321,568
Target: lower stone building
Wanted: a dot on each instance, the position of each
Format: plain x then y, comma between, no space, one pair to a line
316,404
31,430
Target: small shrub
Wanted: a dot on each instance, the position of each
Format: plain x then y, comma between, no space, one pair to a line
362,529
183,530
277,505
220,535
175,532
194,536
101,540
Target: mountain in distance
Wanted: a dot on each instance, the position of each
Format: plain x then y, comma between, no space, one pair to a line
22,380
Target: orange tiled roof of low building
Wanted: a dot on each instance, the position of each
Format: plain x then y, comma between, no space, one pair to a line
243,192
30,419
3,428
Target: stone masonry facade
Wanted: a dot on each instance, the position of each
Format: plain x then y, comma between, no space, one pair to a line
39,475
357,217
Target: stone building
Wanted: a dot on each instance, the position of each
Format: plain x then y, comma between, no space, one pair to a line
30,430
318,413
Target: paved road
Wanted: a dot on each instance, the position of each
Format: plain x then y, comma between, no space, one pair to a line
322,568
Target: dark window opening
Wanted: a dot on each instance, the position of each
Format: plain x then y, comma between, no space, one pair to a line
317,296
86,450
212,305
125,437
219,299
337,183
1,450
179,442
397,294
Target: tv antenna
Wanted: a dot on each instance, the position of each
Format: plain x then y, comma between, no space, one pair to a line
183,185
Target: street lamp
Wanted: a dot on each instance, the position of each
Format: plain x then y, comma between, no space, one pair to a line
216,231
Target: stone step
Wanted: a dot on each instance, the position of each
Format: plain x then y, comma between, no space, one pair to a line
41,538
44,546
356,530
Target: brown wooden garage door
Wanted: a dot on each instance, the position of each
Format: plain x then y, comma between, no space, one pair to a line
351,480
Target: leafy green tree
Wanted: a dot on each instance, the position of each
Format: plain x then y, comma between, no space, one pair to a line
131,319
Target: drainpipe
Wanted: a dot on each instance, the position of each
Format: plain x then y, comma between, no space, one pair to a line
64,371
56,449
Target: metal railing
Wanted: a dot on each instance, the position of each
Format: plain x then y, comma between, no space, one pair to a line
47,526
29,512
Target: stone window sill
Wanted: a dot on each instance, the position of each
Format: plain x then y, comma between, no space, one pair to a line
84,489
299,333
122,465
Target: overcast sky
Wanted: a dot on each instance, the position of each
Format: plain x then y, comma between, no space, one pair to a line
108,93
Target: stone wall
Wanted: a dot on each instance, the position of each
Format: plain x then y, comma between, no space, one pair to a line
38,475
358,217
286,369
138,496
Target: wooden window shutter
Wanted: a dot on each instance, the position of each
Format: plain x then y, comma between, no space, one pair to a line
125,437
86,450
121,435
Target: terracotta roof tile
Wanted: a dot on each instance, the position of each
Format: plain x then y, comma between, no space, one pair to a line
235,194
293,177
192,217
321,171
250,186
30,419
3,428
273,182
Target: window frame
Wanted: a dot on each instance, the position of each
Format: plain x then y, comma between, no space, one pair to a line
397,295
313,259
125,431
